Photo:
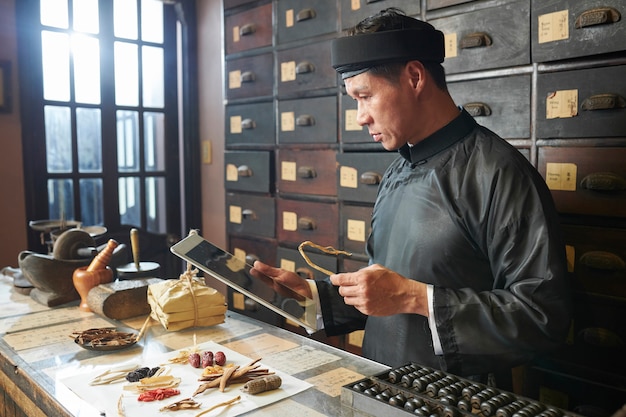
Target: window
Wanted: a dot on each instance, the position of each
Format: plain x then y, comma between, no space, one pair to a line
101,135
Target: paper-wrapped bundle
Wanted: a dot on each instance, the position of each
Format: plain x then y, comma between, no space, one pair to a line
187,302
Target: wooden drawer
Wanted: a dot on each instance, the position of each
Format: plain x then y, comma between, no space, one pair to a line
599,321
250,76
495,37
250,124
356,225
251,214
303,19
249,171
597,259
351,132
303,69
307,120
586,180
306,172
248,29
359,174
307,220
351,265
582,103
251,250
438,4
291,260
353,11
234,3
568,29
500,104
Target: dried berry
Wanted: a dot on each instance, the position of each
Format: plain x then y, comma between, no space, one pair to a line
207,359
194,360
220,358
137,374
153,371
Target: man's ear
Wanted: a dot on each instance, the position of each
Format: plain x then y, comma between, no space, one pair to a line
416,73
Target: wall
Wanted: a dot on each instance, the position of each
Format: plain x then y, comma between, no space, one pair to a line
13,222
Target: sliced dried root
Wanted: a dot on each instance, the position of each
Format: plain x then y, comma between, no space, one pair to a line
153,382
326,249
223,404
232,375
186,404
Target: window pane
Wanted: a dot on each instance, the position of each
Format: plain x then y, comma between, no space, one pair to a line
86,54
154,141
130,210
85,18
152,21
91,207
127,141
155,205
54,13
126,74
152,76
58,124
125,19
89,140
55,57
60,197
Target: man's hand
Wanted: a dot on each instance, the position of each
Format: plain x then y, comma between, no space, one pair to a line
286,283
378,291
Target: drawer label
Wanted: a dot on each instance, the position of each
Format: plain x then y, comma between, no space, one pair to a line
348,177
234,214
234,79
240,254
356,338
570,254
288,265
289,18
239,301
562,104
235,124
351,123
553,26
236,37
356,230
290,221
450,42
561,176
231,172
288,171
287,71
287,121
355,4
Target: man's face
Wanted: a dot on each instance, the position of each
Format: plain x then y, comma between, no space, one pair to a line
386,108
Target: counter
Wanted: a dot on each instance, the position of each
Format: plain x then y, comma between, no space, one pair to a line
37,356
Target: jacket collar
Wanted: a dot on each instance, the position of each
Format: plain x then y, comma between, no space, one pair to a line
445,137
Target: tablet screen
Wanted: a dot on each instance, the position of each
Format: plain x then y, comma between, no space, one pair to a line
235,273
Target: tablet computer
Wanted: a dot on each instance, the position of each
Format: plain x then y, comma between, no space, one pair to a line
235,273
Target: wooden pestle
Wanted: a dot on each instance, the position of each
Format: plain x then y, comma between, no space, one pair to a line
101,261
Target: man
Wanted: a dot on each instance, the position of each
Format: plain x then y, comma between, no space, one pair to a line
467,268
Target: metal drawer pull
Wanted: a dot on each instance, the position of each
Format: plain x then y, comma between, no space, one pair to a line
306,223
305,14
305,120
597,16
248,214
372,1
248,77
370,178
247,29
248,124
605,261
603,181
475,40
305,273
603,102
244,171
251,258
305,68
306,172
477,109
